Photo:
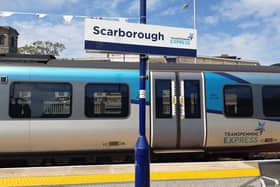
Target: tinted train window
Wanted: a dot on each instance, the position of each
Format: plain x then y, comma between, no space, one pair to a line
107,100
192,98
238,101
40,100
271,101
163,99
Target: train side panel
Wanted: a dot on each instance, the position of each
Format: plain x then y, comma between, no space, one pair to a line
252,133
77,132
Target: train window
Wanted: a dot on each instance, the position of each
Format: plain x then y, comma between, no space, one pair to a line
192,98
40,100
271,101
163,99
238,101
107,100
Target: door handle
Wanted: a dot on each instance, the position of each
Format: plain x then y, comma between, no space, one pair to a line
174,98
182,100
182,107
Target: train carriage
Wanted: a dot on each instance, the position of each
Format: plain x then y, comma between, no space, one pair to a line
50,105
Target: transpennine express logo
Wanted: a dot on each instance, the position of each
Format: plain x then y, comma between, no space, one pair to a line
260,127
190,37
182,41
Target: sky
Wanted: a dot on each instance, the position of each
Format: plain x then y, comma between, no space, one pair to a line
249,29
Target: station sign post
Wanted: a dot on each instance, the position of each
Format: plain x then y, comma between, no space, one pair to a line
142,150
121,37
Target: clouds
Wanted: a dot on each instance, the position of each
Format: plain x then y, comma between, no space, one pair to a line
151,6
27,5
211,20
249,24
247,28
71,36
250,30
103,8
242,8
246,45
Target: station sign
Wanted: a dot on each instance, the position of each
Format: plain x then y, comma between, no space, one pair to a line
123,37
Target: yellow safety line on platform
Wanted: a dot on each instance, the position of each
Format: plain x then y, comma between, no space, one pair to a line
120,178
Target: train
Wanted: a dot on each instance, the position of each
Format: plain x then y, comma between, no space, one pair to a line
60,106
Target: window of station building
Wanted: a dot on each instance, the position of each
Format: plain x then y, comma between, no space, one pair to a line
163,99
192,98
40,100
238,101
107,100
271,101
12,42
2,39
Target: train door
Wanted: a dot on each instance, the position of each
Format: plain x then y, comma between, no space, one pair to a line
177,111
191,123
163,110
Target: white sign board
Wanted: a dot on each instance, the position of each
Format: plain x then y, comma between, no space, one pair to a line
113,36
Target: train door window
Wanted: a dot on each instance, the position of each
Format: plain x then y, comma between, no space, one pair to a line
271,101
238,101
40,100
163,99
107,100
192,98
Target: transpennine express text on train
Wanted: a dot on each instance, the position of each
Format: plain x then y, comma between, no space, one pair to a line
129,34
241,137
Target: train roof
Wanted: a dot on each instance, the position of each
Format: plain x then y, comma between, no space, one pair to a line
50,61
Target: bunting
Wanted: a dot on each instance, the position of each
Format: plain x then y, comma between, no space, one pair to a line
40,15
123,19
6,14
67,18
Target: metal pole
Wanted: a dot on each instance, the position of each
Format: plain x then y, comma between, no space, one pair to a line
194,22
142,165
194,14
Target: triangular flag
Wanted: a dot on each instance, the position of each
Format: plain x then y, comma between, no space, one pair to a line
96,17
123,19
39,15
5,14
67,19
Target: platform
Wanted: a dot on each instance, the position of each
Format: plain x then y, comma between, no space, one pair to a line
167,174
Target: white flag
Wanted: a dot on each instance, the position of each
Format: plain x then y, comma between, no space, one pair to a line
5,14
67,19
96,17
39,15
123,19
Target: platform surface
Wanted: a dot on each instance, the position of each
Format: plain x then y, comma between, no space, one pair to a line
123,175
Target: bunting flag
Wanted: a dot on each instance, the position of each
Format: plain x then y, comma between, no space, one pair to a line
123,19
40,15
6,14
96,17
68,19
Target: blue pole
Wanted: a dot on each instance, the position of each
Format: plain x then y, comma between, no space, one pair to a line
142,159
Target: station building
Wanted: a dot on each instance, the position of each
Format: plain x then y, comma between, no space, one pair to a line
8,40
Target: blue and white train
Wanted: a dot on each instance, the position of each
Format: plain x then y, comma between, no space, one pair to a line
76,106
